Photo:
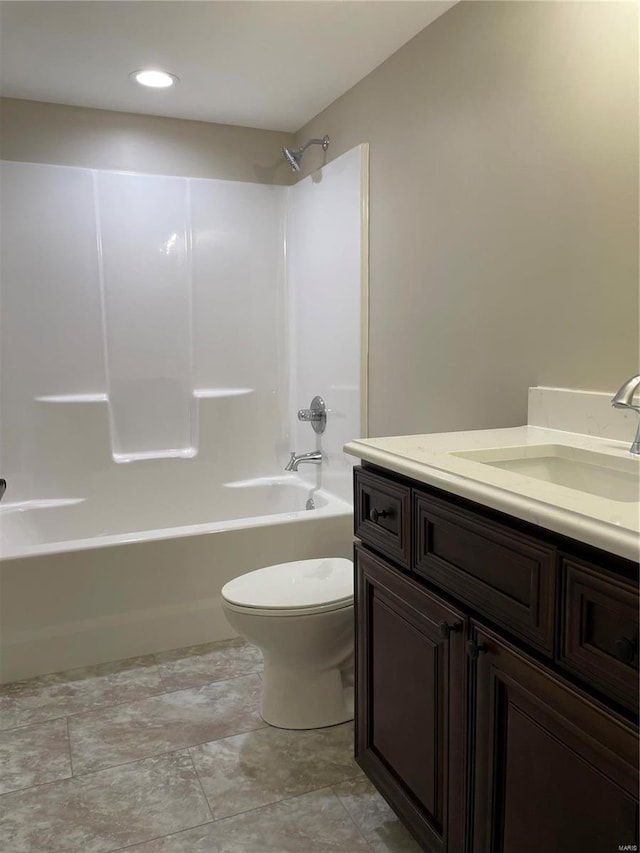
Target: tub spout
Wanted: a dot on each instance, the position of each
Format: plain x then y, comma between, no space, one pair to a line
314,458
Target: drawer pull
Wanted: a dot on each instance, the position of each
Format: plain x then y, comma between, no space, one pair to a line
474,650
625,649
376,514
445,629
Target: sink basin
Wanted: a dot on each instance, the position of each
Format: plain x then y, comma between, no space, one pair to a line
612,477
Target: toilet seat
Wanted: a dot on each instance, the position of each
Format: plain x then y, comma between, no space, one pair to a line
298,588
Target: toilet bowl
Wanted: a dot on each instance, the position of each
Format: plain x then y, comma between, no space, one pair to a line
300,615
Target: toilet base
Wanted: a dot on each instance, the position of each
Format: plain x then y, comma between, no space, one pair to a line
298,699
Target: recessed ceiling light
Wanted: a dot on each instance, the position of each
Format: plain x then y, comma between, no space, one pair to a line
154,79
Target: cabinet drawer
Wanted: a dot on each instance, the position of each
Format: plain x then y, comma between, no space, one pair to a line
501,573
382,515
599,638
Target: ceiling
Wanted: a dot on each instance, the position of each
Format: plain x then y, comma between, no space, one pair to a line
256,63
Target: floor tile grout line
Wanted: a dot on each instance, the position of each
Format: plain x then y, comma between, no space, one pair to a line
206,683
350,816
166,752
132,761
283,799
35,785
325,788
286,799
79,776
204,793
70,750
159,837
164,692
47,781
66,681
237,814
86,773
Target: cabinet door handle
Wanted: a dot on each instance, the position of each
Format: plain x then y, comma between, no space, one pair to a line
445,629
475,649
625,649
376,514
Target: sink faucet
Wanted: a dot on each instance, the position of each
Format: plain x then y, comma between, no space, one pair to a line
624,400
314,457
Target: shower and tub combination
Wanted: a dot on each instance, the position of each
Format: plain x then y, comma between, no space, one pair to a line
158,336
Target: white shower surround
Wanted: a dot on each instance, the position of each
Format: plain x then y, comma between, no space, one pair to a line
100,559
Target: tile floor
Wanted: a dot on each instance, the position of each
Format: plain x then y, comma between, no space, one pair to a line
168,754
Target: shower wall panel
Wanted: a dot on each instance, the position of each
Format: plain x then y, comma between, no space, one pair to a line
239,318
146,270
239,301
141,317
50,320
325,236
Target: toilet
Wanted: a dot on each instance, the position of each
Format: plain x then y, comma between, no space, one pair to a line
300,614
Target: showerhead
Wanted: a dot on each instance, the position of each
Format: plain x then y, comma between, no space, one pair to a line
293,156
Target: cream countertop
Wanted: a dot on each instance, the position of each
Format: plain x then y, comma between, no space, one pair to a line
609,524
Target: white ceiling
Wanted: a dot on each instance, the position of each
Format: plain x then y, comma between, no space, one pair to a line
256,63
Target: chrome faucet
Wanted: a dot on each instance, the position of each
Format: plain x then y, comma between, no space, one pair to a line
624,400
314,458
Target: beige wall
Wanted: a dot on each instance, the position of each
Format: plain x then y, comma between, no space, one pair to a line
504,210
36,132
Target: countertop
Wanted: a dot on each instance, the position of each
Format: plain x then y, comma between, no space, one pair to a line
609,524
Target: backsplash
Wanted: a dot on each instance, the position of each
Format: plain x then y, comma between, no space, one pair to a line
585,412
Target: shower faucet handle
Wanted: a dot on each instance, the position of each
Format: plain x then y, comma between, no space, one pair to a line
309,415
316,414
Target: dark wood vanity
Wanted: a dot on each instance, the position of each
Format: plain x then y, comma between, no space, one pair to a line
496,675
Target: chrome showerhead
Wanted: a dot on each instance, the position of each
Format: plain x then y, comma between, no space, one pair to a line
293,156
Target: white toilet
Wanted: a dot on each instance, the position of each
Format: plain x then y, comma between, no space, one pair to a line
300,615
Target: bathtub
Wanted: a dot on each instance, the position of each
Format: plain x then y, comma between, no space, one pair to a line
85,581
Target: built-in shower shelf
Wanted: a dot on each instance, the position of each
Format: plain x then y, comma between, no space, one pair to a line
39,503
199,394
88,416
73,398
212,393
175,453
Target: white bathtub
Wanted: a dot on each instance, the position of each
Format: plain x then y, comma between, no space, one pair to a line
88,581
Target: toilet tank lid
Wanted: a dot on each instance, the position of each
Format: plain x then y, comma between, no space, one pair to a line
304,583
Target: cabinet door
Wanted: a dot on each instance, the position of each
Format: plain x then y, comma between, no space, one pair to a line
553,769
410,709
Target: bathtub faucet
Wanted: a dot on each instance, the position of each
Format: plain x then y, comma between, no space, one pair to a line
314,458
624,400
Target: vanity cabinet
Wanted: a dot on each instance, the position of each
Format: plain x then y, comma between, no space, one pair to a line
496,675
411,700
